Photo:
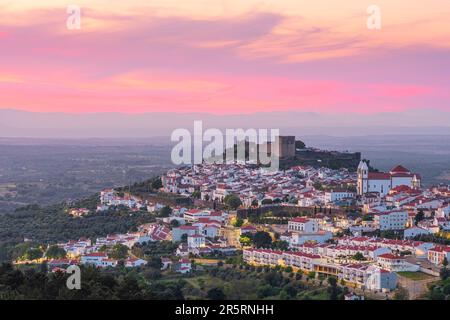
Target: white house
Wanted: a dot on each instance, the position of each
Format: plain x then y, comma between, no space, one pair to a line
303,224
165,263
414,231
299,238
437,254
353,296
98,259
183,266
134,262
334,195
194,214
93,258
443,212
391,220
177,233
380,279
395,263
196,241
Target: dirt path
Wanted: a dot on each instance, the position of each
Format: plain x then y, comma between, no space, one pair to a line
416,288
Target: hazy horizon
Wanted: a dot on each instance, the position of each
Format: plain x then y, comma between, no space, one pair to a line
24,124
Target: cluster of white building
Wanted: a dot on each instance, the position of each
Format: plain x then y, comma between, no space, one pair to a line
253,185
399,208
195,221
435,253
101,260
367,262
366,276
84,251
110,198
303,229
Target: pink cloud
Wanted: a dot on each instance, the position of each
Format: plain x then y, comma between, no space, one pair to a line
183,65
71,91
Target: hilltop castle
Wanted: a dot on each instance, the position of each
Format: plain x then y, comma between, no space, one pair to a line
382,182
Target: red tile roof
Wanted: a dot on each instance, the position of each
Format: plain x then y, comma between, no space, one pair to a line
301,220
379,176
400,169
96,254
390,256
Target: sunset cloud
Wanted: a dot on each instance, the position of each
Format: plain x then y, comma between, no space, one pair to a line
224,56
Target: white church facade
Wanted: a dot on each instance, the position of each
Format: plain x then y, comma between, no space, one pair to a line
383,182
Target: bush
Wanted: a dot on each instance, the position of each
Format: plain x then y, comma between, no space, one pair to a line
215,294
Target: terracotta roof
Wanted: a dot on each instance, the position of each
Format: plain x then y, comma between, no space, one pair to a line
96,254
379,176
400,169
390,256
301,220
441,249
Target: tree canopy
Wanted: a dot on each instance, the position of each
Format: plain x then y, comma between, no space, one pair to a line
55,252
232,201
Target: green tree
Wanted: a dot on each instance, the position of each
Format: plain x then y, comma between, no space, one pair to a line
273,278
155,262
174,223
290,290
262,239
119,251
401,294
358,256
32,254
165,212
265,291
444,273
55,252
318,186
446,289
333,290
232,201
196,194
215,294
238,223
280,245
419,217
157,183
245,240
299,144
332,281
436,294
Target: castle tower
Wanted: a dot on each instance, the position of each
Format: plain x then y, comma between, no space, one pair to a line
363,177
284,146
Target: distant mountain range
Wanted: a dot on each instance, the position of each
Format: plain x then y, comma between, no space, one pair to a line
16,123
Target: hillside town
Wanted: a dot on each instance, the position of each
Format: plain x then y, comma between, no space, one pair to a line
364,228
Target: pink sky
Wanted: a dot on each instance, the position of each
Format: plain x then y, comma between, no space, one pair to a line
224,57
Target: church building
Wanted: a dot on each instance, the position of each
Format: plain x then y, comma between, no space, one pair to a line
382,182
